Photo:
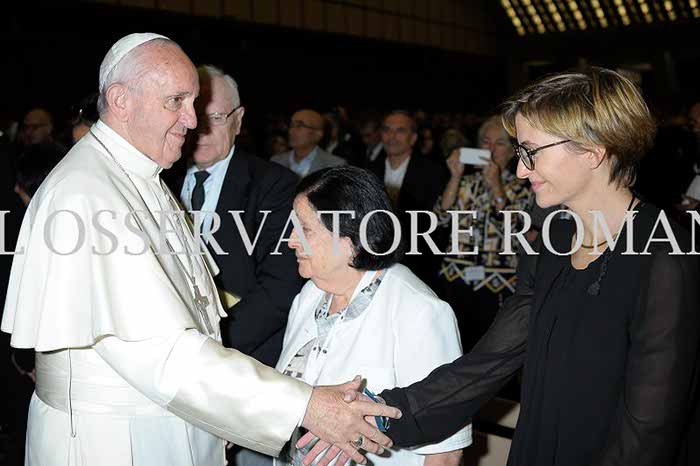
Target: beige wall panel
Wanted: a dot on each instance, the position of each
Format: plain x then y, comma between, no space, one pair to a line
375,25
290,13
448,11
407,7
313,15
374,4
472,14
356,21
176,6
335,18
435,35
139,3
447,38
207,7
239,9
266,11
422,9
408,30
459,39
391,27
435,9
460,14
391,6
422,36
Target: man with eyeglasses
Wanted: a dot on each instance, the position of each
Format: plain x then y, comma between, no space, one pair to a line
257,288
306,157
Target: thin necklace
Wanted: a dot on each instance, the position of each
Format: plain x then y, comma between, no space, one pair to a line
591,246
200,301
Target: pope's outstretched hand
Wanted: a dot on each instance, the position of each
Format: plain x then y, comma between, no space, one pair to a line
337,418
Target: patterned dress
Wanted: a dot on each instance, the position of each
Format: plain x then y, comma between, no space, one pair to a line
477,284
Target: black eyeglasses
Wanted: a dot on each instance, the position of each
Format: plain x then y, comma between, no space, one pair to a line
527,155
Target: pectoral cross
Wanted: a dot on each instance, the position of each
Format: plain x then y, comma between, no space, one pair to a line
200,303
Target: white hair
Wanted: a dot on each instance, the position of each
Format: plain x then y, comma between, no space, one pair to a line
129,71
209,71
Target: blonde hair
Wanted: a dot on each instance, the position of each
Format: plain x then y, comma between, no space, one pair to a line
597,108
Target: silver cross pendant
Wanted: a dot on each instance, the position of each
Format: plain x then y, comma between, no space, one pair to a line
200,303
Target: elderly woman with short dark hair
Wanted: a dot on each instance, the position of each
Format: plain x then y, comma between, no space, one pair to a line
361,312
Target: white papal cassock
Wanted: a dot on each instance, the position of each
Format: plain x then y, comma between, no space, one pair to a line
127,373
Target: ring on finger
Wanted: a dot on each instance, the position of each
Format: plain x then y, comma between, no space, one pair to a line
358,443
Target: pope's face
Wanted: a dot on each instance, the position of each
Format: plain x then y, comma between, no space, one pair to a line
161,110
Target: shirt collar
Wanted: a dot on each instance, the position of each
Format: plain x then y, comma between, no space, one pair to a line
126,155
219,166
306,161
398,169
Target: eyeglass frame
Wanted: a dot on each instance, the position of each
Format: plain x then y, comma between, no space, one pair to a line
218,114
528,159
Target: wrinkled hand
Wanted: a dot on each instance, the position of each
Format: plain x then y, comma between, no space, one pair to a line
454,165
321,446
337,418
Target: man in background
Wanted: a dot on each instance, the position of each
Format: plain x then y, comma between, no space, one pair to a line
305,133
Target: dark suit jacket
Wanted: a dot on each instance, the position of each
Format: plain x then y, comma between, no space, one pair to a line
266,283
424,182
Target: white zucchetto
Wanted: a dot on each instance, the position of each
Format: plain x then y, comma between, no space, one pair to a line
120,49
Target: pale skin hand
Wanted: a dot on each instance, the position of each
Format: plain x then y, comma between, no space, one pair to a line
450,458
333,418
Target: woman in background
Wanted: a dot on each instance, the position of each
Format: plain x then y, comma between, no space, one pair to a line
475,285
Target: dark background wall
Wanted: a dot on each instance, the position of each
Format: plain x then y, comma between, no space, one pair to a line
51,54
440,55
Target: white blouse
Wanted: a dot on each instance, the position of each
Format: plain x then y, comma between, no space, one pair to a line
405,333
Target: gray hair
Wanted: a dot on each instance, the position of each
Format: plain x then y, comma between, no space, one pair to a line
210,71
129,71
492,121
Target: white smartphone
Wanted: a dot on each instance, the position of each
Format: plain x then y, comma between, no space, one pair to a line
471,156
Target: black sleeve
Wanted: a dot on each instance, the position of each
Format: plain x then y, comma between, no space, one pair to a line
263,312
661,361
444,402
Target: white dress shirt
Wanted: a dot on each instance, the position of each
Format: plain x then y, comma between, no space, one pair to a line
393,179
302,168
374,152
212,189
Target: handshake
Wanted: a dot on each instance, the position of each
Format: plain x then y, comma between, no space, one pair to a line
343,419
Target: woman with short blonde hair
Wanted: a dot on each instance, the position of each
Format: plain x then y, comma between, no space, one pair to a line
609,339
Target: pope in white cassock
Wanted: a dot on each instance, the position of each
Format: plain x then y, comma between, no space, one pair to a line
124,320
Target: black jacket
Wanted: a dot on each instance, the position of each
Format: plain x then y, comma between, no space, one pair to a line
266,283
621,391
424,182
